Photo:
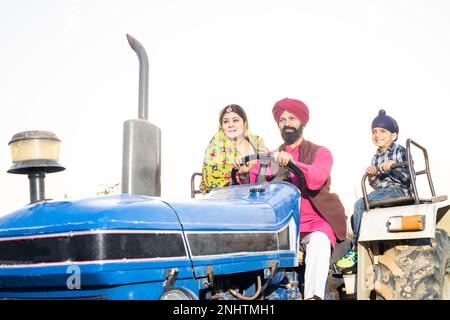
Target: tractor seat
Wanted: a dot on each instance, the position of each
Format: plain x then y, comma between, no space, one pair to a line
402,201
392,202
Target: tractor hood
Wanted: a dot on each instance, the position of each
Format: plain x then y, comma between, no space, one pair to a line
241,228
106,212
109,240
231,230
259,208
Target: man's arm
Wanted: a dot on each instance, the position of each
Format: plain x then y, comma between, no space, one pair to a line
319,170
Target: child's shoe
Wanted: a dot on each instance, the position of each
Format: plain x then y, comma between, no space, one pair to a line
348,260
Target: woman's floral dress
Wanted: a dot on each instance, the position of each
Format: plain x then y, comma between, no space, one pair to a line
218,160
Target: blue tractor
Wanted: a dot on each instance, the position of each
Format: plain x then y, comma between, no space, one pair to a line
240,242
236,243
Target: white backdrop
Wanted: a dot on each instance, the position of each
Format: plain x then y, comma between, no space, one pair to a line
66,67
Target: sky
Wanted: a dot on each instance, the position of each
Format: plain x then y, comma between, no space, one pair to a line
66,67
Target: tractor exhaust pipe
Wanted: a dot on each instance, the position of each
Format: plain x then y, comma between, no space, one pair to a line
141,162
143,76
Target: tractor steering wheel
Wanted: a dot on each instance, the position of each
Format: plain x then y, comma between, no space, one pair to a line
282,174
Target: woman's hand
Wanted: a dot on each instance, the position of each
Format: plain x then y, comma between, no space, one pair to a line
236,164
242,169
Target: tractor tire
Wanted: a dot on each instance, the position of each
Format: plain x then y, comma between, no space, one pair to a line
415,269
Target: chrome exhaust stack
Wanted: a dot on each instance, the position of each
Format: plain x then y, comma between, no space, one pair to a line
141,162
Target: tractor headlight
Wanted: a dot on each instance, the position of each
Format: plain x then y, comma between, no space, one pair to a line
178,293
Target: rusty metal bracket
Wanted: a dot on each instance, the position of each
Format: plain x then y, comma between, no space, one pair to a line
171,277
209,282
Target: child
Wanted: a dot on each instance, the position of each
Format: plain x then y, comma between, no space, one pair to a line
387,183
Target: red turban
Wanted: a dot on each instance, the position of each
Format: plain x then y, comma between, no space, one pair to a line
296,107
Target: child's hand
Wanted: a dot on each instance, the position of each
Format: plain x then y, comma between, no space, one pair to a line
385,166
372,170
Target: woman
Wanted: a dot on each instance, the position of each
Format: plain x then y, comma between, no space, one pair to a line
232,142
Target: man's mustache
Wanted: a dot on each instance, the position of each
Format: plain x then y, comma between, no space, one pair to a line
289,128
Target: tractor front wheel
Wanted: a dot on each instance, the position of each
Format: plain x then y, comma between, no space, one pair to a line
415,269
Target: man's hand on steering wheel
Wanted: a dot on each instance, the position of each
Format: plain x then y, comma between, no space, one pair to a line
282,158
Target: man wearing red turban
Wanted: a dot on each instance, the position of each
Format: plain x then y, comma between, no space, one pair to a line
322,215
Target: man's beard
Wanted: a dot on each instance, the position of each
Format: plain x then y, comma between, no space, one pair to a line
291,136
